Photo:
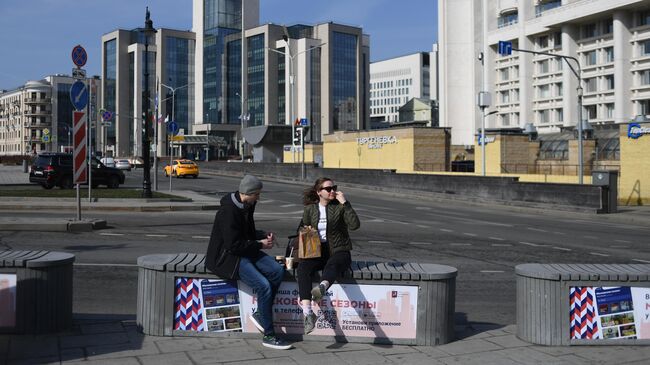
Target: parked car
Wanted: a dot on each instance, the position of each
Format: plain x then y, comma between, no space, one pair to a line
182,168
55,169
108,161
123,164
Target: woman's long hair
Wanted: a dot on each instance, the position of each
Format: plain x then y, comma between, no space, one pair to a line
310,195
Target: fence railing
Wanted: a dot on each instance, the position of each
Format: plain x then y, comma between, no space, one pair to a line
554,169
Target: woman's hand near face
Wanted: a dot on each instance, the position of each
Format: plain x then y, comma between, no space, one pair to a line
340,197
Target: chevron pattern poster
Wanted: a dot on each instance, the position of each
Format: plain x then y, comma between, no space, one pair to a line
206,305
620,312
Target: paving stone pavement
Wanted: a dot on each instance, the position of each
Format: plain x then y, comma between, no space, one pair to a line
99,341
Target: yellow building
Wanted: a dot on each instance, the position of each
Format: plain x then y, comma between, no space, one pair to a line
634,183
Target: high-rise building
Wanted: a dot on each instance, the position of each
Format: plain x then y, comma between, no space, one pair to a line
609,38
395,81
329,66
171,77
37,117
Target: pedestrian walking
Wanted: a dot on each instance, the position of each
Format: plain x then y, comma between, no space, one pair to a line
235,252
327,211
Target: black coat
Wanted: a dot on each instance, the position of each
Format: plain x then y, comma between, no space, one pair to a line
233,236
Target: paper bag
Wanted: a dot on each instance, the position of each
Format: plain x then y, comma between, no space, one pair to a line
308,243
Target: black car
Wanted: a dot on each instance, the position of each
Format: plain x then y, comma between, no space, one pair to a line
55,169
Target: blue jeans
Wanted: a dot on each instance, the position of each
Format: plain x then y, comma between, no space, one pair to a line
263,274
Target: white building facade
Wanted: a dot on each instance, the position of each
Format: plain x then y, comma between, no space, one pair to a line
395,81
609,38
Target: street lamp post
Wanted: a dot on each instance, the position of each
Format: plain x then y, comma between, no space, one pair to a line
580,156
242,118
146,180
483,137
291,82
171,150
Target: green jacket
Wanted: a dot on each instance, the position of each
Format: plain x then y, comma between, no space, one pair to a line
340,219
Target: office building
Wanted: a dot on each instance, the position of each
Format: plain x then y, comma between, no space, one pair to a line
37,117
609,38
395,81
171,78
329,65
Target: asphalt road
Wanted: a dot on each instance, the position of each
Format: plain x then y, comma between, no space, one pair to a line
484,242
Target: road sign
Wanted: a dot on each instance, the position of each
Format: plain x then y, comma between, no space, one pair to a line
79,56
172,127
79,95
304,122
106,124
45,138
80,167
78,73
46,131
505,48
106,115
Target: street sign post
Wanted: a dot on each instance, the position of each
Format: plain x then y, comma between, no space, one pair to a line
79,156
79,56
172,127
78,73
505,48
79,95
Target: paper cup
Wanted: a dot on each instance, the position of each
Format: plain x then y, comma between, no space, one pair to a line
289,262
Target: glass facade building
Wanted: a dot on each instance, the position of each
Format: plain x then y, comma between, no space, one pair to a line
179,68
233,80
256,83
110,84
64,114
344,80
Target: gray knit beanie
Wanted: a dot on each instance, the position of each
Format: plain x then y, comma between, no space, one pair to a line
250,184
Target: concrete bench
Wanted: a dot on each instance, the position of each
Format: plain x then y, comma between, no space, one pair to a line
375,302
583,304
35,291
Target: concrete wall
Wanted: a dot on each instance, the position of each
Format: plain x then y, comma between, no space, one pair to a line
505,190
634,184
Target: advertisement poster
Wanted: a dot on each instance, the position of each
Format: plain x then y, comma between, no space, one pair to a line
620,312
206,305
7,300
345,310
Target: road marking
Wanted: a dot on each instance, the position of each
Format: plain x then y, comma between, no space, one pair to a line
496,238
423,226
156,235
644,261
623,241
423,208
287,205
201,237
501,245
536,229
420,243
379,242
532,244
561,248
470,234
591,237
492,271
460,244
376,220
599,254
112,234
560,233
446,230
90,264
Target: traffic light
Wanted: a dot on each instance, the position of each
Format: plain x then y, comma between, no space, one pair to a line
297,137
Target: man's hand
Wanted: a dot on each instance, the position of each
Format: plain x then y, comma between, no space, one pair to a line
267,244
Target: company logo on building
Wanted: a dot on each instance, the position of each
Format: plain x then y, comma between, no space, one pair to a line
376,142
635,130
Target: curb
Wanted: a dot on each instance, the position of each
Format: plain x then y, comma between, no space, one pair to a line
141,208
87,225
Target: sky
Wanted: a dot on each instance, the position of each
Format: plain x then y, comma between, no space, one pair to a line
37,36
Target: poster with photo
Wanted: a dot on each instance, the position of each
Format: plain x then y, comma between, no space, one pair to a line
610,312
345,310
7,300
207,305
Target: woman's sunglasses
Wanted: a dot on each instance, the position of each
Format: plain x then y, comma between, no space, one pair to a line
329,188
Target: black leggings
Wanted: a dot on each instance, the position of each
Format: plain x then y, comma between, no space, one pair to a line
332,267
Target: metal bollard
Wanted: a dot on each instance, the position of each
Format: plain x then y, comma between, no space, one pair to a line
25,166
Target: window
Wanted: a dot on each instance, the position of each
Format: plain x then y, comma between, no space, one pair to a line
542,42
507,19
644,18
644,77
589,30
543,66
505,97
608,148
609,111
546,6
591,84
557,39
590,58
645,48
505,119
643,107
609,54
609,82
608,26
515,95
554,150
590,112
559,91
559,115
542,116
543,91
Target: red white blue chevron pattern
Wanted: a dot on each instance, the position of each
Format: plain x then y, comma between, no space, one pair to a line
584,322
188,306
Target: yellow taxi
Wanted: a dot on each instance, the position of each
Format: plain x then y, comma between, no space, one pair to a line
182,168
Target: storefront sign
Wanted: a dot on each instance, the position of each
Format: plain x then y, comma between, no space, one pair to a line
376,142
635,130
7,300
609,312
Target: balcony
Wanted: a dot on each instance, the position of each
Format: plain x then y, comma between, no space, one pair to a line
37,100
546,5
37,112
37,124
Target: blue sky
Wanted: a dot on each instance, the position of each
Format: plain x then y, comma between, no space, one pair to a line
36,36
